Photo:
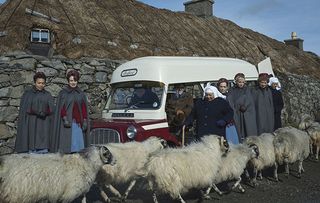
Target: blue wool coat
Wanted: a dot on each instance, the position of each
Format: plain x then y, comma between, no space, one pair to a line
207,113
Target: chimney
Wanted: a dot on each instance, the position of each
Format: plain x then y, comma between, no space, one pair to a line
200,8
295,41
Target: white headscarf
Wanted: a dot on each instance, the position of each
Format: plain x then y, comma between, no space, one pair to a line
214,90
274,80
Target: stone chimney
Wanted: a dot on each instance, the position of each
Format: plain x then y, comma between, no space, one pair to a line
200,8
295,41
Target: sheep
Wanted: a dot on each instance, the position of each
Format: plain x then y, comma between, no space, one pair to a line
313,130
291,145
131,158
266,155
27,178
233,165
175,171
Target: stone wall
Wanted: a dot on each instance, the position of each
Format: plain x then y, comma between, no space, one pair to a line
16,74
301,93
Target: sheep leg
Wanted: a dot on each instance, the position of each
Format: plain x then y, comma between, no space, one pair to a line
317,153
132,183
300,168
205,195
114,190
246,173
237,184
275,172
181,199
259,175
254,180
216,189
84,199
104,196
286,164
154,197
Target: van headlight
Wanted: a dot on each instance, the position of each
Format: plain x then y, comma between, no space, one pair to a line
131,132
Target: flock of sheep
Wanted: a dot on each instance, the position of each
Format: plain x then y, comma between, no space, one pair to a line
30,178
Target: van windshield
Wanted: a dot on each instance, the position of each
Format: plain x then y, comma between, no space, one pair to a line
135,95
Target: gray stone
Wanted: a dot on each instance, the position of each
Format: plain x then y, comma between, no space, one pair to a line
15,53
4,132
47,63
54,89
60,81
8,113
83,86
86,69
27,63
18,78
77,66
86,79
40,58
102,68
59,65
4,59
49,72
4,92
95,62
4,78
17,92
101,77
15,102
4,102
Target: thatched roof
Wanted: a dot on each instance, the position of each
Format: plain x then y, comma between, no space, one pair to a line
126,29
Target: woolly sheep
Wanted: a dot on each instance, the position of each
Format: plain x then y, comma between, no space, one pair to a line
291,145
233,165
313,130
131,158
175,171
28,178
266,154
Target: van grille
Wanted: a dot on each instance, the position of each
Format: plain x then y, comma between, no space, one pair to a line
104,136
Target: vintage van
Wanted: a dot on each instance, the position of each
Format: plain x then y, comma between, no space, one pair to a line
123,120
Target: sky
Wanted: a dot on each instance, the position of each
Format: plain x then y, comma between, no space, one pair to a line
274,18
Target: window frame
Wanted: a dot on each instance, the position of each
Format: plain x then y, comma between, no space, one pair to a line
40,31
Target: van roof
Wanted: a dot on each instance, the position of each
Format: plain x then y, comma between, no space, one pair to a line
179,69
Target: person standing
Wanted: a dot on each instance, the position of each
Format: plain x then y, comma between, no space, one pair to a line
223,86
277,101
242,103
263,101
71,122
178,108
212,114
35,118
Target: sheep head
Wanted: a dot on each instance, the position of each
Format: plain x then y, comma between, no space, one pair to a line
106,156
255,150
224,145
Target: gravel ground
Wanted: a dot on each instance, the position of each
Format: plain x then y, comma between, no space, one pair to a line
291,189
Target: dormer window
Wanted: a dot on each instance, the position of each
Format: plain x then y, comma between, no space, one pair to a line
40,35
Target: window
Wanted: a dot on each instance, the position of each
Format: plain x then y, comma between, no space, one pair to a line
40,35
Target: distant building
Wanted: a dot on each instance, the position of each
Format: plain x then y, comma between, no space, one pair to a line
295,41
200,8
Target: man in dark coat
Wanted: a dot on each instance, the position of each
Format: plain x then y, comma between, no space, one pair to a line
242,103
71,121
212,114
35,118
264,105
144,98
277,101
178,108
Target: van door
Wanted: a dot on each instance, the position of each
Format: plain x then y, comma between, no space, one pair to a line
265,66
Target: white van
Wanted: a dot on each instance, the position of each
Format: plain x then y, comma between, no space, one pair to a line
123,121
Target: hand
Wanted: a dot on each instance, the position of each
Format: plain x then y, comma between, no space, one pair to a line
243,109
84,125
221,123
179,112
66,123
